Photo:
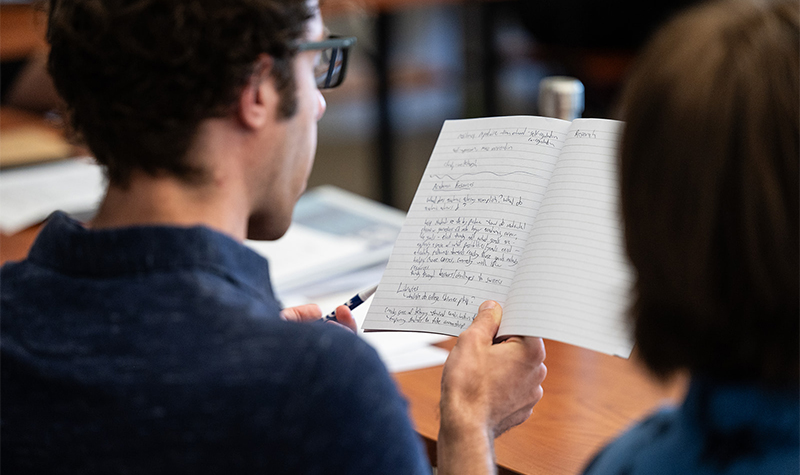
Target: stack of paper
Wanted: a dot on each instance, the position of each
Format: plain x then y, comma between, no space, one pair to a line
333,233
28,195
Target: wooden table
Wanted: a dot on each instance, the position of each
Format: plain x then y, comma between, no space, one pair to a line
588,399
28,138
22,29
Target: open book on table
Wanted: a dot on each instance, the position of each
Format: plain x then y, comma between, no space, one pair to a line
522,210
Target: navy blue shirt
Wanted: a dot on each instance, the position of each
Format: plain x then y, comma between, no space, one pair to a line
731,429
155,349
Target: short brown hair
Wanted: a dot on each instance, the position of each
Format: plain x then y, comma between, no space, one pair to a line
709,184
139,76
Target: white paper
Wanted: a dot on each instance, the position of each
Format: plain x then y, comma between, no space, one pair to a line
418,358
28,195
303,253
333,233
399,351
572,283
468,222
522,210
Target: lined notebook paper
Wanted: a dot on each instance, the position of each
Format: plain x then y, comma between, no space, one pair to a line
522,210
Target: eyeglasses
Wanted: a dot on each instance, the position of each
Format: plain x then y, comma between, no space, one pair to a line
332,66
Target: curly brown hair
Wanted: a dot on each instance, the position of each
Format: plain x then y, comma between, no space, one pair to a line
139,76
709,183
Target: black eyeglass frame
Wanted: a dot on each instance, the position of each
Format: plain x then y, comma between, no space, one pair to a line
338,45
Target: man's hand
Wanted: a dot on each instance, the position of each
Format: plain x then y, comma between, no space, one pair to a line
311,312
487,388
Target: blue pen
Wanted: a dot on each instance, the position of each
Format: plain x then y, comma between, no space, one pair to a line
354,302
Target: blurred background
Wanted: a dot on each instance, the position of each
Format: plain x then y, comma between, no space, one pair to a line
416,64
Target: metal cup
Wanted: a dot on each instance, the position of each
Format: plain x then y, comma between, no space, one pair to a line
561,97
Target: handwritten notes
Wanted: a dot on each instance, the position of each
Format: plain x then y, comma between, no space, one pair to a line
470,224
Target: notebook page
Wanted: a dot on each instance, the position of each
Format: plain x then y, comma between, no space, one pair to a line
573,280
467,224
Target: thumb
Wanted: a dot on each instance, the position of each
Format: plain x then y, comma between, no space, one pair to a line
488,319
345,318
302,313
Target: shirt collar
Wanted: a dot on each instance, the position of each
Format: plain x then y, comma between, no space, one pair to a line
65,245
729,407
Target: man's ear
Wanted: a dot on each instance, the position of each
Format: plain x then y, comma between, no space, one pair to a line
258,101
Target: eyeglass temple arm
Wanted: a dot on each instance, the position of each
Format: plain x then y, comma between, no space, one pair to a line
331,67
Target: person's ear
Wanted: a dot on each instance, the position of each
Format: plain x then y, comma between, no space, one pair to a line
258,100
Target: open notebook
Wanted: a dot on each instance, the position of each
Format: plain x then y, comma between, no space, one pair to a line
522,210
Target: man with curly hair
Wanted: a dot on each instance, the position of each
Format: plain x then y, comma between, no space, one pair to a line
149,340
